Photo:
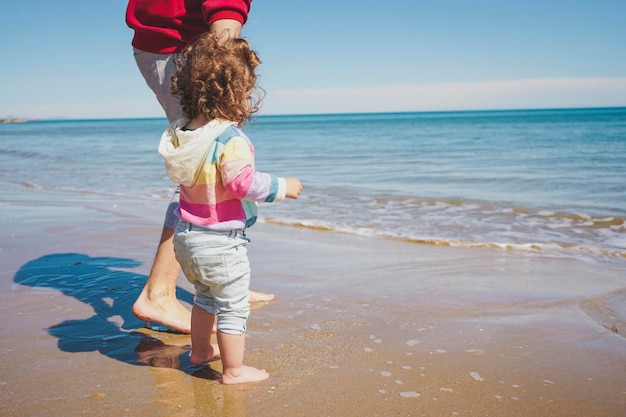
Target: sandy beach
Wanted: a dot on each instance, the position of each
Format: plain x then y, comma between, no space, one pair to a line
360,326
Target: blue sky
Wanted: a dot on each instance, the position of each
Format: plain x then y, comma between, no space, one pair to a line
70,59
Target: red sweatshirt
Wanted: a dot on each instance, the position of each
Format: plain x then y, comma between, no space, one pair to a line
167,26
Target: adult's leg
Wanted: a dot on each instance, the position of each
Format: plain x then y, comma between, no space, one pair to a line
157,301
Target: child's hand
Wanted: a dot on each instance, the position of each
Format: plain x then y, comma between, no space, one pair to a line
294,188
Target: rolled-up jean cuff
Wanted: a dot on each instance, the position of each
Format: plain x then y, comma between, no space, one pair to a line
233,322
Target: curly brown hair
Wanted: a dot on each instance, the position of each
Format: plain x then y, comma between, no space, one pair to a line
216,79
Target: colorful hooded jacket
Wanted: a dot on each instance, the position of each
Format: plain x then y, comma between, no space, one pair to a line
214,165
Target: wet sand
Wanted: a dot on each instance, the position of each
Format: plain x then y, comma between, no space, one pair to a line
360,326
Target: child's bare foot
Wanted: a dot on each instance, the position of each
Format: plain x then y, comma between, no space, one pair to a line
200,358
260,297
244,375
167,311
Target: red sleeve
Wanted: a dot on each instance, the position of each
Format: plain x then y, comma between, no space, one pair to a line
238,10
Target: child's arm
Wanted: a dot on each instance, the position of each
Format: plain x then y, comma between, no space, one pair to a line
243,182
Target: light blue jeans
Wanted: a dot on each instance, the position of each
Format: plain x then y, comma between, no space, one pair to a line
217,265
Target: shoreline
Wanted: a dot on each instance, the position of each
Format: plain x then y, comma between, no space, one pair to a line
360,326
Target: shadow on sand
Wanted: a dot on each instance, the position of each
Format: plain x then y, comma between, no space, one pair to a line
104,285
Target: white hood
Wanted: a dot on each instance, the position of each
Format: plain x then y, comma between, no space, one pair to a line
185,151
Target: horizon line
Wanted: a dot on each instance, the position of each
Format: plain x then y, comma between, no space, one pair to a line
17,120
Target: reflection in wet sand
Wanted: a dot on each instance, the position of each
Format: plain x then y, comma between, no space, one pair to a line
154,352
167,355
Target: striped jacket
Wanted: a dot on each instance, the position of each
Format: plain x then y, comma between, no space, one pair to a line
214,165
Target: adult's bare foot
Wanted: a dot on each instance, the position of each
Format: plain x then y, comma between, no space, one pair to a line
260,297
165,310
168,311
244,375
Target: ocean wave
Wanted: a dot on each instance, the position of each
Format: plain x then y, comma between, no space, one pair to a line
536,247
459,223
450,222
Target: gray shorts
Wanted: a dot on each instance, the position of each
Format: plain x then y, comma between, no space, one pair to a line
216,263
157,70
171,214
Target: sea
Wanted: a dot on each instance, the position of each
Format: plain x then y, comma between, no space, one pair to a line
551,182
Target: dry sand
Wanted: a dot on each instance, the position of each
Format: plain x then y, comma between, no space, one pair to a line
360,327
